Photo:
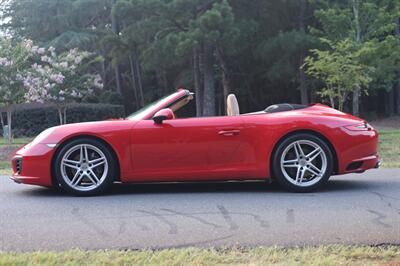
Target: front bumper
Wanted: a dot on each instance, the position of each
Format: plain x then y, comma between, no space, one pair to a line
32,165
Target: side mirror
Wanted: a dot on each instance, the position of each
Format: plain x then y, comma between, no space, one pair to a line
163,114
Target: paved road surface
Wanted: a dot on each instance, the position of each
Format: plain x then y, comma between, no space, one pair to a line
355,209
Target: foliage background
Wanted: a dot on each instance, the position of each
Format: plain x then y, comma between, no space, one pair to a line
31,119
255,49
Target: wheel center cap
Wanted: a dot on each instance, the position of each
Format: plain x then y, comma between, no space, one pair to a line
302,162
84,166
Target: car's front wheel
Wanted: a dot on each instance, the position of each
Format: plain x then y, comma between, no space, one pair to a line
302,163
84,167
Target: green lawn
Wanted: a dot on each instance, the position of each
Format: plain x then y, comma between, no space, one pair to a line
17,141
325,255
389,148
5,168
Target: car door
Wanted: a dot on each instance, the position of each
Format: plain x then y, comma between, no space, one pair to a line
189,149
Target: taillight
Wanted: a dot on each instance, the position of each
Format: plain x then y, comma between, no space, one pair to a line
359,127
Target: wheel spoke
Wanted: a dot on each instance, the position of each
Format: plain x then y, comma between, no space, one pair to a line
315,154
97,160
98,164
92,176
77,180
72,162
86,153
316,151
81,155
290,163
314,170
299,175
298,150
70,165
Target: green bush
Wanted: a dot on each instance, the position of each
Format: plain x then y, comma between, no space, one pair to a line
30,120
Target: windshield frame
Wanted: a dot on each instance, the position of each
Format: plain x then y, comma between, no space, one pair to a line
148,111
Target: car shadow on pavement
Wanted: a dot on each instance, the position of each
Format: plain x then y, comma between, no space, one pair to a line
211,187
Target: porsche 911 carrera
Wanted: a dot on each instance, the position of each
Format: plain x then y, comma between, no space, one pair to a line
299,146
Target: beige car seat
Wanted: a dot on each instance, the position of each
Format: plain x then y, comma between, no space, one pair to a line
232,106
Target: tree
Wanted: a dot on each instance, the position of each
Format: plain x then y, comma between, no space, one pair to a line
341,70
14,59
60,79
368,22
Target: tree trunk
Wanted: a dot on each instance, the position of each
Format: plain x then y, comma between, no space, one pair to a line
209,86
9,123
116,30
126,96
60,115
332,100
389,103
357,91
226,82
133,77
65,115
397,94
302,74
397,87
197,82
138,74
2,120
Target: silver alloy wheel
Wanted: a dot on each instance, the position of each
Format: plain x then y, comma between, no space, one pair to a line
84,167
303,163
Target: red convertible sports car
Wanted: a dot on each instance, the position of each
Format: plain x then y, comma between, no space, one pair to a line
300,146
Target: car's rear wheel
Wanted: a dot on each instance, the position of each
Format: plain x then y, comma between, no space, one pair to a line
84,167
302,163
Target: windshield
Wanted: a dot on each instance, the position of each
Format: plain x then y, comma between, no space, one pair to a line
144,109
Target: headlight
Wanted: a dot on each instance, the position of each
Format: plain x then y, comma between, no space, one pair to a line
42,136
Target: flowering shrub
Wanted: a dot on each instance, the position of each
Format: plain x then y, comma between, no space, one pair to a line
30,73
59,78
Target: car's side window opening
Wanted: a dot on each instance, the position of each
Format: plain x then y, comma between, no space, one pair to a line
185,108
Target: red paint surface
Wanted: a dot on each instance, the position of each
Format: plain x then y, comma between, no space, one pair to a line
209,148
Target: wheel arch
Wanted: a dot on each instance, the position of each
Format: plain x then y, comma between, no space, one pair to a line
311,132
72,138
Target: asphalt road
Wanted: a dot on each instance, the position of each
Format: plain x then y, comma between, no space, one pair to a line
352,209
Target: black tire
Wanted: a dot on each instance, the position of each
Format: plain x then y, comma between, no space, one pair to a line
108,178
282,176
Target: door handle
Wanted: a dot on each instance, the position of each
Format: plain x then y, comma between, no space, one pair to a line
229,133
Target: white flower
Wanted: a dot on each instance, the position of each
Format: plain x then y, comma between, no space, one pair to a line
58,78
51,49
3,61
78,60
64,65
47,59
98,82
41,51
28,44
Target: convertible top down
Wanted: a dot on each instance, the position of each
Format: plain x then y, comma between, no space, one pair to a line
299,146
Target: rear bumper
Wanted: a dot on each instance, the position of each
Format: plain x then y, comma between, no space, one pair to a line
362,164
358,151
